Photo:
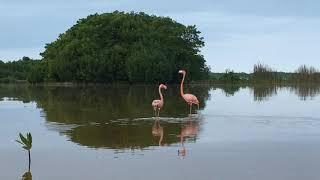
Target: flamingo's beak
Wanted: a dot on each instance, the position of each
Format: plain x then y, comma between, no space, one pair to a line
181,71
164,86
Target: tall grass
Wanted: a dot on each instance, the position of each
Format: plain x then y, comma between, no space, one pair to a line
262,72
306,74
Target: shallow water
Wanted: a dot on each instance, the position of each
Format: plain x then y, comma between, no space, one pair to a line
257,132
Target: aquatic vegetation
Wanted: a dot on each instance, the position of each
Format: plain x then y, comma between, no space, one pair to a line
26,142
27,176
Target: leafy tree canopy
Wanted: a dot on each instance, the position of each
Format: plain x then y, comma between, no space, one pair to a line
133,47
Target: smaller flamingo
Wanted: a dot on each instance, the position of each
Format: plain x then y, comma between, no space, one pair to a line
158,103
189,98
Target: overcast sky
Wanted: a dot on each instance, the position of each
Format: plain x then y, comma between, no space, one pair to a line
238,33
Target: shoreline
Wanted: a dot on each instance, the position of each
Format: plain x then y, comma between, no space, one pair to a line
195,83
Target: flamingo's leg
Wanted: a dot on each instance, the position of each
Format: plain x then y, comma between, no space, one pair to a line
158,112
190,108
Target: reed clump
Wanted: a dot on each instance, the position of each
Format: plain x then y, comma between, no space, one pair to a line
263,73
305,74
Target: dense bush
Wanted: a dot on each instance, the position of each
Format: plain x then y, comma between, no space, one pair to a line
133,47
230,76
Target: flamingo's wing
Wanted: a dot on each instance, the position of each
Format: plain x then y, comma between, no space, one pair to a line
190,98
155,103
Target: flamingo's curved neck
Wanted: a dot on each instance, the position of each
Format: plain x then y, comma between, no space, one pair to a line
161,97
181,85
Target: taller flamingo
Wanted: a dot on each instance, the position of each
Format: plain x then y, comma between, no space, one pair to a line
189,98
158,103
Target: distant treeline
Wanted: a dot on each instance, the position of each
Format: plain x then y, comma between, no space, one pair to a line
264,74
23,70
35,71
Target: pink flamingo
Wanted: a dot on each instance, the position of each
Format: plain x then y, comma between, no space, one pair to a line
158,103
189,98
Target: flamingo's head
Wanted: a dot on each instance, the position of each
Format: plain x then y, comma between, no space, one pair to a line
182,71
163,86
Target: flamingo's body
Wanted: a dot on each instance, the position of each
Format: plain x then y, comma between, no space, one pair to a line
158,103
189,98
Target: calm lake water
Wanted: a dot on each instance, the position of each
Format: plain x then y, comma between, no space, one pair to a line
243,133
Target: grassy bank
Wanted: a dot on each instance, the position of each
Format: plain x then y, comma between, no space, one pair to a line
264,74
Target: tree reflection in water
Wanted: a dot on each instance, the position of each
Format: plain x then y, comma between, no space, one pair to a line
119,117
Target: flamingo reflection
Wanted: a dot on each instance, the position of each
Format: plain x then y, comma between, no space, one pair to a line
190,130
157,131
